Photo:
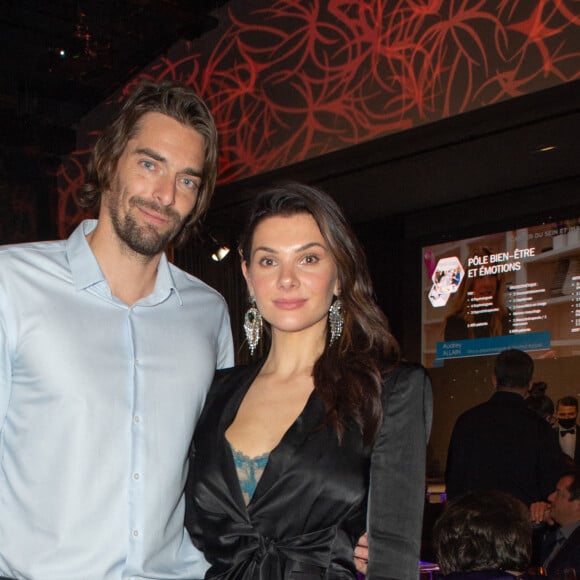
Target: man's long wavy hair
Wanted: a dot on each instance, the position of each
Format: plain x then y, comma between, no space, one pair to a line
168,98
349,374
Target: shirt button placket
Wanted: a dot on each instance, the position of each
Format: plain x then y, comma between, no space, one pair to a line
136,498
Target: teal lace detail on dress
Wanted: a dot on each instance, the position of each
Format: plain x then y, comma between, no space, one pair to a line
249,470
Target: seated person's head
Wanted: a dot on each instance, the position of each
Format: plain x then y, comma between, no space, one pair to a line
565,499
483,531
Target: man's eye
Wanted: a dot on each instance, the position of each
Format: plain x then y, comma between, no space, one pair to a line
147,164
190,183
187,182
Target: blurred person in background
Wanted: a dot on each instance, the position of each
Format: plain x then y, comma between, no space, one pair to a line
483,536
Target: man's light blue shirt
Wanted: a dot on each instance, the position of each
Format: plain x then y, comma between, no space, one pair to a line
98,403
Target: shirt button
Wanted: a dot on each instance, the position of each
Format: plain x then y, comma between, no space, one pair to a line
136,419
135,533
135,476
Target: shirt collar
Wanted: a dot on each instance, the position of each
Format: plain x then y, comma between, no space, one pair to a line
164,286
568,529
86,271
84,266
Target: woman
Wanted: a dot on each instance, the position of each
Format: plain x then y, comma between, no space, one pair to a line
286,448
540,403
477,309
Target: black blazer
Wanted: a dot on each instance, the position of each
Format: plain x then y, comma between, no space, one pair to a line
503,445
567,557
309,507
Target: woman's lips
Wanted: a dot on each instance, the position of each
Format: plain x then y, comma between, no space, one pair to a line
286,304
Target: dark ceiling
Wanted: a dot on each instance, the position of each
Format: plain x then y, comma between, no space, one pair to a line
61,58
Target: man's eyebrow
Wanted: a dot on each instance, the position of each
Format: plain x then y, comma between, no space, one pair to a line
154,155
192,172
150,153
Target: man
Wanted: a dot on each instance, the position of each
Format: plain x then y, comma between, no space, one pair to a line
106,355
567,414
501,444
483,530
561,546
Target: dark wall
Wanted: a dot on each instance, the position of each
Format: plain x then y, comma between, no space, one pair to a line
28,197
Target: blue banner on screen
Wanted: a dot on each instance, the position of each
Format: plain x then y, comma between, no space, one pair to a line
492,345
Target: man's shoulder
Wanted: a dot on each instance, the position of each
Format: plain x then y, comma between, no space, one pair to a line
31,255
510,410
569,554
484,408
575,535
184,281
491,410
17,251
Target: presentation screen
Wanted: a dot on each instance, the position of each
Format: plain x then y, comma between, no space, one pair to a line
513,289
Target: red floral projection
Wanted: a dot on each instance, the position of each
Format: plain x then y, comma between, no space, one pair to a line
294,79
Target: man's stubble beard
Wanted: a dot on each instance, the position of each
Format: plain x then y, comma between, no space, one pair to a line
142,239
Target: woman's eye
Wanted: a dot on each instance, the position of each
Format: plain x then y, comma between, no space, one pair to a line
310,259
266,262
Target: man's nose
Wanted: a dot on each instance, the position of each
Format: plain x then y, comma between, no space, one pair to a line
165,191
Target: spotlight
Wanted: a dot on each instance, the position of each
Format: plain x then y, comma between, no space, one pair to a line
218,250
219,253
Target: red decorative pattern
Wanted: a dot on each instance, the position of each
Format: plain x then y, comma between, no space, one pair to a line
293,79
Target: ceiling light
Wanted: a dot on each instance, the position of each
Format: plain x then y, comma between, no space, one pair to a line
218,250
219,253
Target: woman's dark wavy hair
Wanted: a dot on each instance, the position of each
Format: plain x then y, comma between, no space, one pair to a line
168,98
483,530
348,375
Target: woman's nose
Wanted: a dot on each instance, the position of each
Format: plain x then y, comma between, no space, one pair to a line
287,277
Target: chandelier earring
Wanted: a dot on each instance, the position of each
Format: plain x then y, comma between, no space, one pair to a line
335,321
253,326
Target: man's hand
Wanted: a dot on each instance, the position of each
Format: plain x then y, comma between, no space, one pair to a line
361,554
540,513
